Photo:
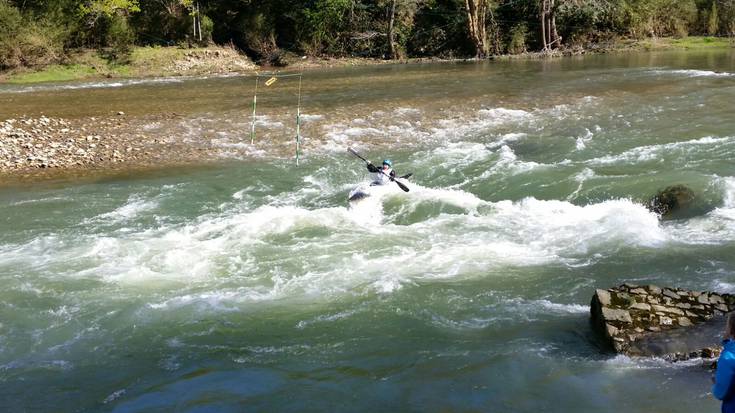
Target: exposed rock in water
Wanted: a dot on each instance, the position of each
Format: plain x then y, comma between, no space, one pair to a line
665,322
671,200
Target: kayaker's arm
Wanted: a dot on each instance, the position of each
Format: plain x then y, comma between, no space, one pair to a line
392,175
372,168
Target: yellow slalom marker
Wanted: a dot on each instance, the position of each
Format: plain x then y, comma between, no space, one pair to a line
271,81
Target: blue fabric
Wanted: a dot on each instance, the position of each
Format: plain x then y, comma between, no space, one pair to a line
723,388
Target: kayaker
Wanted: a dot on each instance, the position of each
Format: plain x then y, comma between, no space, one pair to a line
382,176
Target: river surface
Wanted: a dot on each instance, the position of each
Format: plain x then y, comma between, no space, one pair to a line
251,285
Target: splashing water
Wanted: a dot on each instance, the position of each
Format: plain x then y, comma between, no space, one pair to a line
256,283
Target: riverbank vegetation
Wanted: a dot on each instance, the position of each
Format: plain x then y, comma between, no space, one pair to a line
35,33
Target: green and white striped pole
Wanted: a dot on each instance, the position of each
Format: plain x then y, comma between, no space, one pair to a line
298,125
255,102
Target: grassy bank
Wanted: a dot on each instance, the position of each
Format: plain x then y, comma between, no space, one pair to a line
177,61
142,62
685,43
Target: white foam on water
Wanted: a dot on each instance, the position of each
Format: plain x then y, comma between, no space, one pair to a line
501,115
563,308
530,232
722,286
267,122
460,154
729,186
338,136
472,323
282,250
131,209
203,250
581,177
410,126
33,255
571,230
405,111
714,228
41,200
318,183
509,310
622,364
92,85
652,152
221,300
508,164
692,73
581,141
461,126
367,211
241,148
327,318
245,192
114,396
508,138
454,197
305,117
586,174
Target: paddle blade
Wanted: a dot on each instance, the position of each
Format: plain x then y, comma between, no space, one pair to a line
402,186
352,151
406,176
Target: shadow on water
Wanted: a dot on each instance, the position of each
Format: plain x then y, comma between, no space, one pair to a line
684,340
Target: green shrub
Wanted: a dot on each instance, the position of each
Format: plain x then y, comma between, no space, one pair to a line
10,23
119,37
322,25
517,42
27,43
661,17
207,29
713,21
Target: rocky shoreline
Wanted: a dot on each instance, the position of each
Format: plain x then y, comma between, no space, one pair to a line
29,145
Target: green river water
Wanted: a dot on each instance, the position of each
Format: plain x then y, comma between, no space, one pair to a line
251,285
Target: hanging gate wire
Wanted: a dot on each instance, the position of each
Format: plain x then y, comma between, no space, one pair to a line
272,78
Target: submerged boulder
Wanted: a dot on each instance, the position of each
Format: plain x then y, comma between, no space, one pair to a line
670,200
665,322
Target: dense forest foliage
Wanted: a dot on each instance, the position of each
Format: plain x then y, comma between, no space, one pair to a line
39,32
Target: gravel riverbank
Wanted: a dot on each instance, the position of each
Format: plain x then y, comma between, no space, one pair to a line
44,145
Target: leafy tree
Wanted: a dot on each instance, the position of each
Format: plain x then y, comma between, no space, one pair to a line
477,11
323,25
166,21
441,30
36,32
583,21
108,8
28,41
713,20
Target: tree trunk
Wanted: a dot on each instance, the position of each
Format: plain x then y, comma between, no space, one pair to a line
199,22
495,34
194,26
555,38
549,35
476,14
391,37
543,25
